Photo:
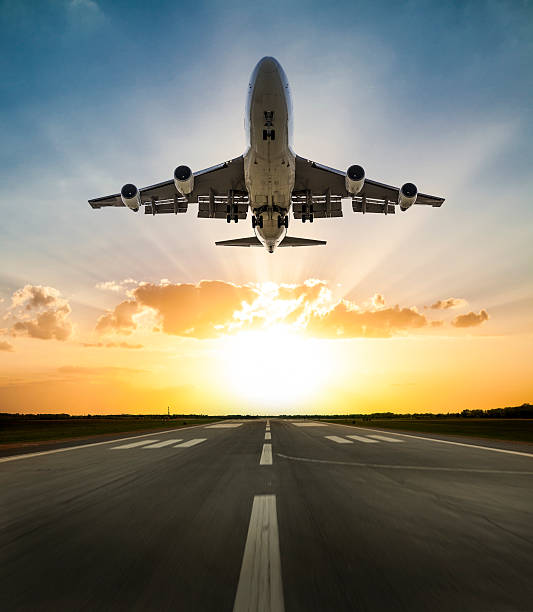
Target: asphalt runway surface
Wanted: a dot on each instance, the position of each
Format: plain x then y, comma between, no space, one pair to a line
281,516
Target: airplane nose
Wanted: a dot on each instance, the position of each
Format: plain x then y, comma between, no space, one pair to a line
268,65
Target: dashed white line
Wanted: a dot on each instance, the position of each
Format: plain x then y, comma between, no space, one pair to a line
362,439
133,444
383,438
339,440
266,455
268,435
164,443
260,586
189,443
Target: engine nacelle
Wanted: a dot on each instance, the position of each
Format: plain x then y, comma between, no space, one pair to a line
130,197
184,180
407,195
355,179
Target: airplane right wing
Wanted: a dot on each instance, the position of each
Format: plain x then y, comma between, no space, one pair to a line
324,188
214,189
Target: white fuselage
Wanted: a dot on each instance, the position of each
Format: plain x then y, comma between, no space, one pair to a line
269,161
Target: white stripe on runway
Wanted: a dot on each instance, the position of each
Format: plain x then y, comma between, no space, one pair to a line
383,438
489,448
338,439
133,444
268,436
310,424
224,426
266,455
260,586
190,443
164,443
361,439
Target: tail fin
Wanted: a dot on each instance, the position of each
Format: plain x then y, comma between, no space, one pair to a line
253,241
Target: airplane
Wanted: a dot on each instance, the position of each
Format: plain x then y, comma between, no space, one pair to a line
269,178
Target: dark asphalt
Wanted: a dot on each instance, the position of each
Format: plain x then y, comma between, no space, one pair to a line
440,527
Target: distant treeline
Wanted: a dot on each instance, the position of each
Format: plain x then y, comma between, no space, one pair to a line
146,417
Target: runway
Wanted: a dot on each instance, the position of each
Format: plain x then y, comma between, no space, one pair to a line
313,516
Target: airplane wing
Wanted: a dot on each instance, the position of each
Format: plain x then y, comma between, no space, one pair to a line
253,241
212,188
326,187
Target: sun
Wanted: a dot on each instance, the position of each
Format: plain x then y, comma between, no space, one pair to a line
275,367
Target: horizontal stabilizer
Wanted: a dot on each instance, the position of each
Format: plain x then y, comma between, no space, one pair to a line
253,241
242,242
292,241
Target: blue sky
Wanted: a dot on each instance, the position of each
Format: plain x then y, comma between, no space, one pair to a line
98,93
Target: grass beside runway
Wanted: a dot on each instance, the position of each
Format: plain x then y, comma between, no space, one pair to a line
518,430
20,430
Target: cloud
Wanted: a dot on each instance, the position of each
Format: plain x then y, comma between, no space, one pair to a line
5,346
119,286
120,319
449,303
125,345
471,319
40,312
214,308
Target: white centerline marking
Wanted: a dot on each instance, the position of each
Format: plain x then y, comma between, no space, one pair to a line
266,455
260,586
383,438
190,443
268,436
361,439
133,444
489,448
164,443
224,426
339,440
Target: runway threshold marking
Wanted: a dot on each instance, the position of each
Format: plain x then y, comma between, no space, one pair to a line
164,443
133,444
260,585
189,443
266,455
339,440
383,438
362,439
268,435
71,448
224,426
488,448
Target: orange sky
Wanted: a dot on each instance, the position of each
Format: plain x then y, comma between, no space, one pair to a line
217,347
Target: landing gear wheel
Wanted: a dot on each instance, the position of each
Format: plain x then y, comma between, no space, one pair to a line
311,218
286,221
228,218
304,218
261,221
236,218
254,221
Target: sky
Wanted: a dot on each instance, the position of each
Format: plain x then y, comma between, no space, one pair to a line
108,311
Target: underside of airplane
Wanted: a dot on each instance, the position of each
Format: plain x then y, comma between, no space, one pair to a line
269,179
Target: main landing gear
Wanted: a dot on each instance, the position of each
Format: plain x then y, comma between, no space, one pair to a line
232,213
257,221
307,213
283,220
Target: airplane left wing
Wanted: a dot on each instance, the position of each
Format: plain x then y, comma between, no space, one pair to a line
214,190
324,187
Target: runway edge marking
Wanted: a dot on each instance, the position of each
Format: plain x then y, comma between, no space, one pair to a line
260,585
489,448
70,448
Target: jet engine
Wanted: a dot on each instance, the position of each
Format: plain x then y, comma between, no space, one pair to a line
355,179
407,195
184,180
130,197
